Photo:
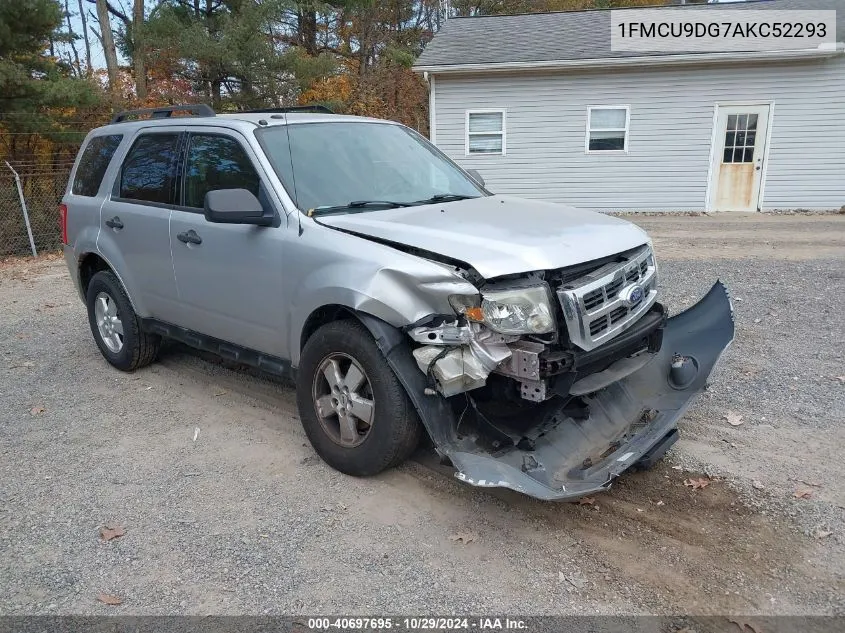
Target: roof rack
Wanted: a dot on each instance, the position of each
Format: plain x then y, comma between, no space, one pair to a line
300,108
197,109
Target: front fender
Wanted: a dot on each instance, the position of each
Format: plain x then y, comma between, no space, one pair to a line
394,296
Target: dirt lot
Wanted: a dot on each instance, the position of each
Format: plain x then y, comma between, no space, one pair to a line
227,509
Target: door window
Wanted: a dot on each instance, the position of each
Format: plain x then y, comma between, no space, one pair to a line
740,136
149,171
216,162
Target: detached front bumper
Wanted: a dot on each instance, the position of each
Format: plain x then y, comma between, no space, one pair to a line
630,420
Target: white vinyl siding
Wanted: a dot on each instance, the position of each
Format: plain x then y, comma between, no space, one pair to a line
485,132
607,129
668,159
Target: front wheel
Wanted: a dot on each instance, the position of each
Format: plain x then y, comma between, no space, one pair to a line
355,412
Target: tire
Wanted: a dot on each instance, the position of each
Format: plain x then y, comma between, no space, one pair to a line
137,348
394,430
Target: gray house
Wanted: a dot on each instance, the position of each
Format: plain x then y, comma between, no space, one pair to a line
542,108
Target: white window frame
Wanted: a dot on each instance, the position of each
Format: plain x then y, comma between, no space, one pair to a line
627,129
504,131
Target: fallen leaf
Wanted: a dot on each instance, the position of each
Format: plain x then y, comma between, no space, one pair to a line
803,493
37,410
586,501
108,533
107,599
697,483
734,419
464,537
822,533
743,624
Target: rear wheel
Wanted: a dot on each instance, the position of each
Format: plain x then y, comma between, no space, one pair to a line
115,325
353,409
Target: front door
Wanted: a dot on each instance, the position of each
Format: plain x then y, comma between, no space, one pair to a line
737,168
229,276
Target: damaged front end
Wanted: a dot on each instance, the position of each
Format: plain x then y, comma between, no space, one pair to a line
556,401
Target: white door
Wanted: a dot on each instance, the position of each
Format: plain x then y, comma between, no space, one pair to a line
738,158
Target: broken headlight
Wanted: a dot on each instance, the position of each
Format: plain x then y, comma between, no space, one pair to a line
512,311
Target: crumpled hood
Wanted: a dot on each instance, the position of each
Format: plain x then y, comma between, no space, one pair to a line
498,235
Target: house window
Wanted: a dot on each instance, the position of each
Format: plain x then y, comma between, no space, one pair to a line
607,129
485,132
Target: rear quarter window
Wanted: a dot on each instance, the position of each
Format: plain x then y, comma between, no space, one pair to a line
93,164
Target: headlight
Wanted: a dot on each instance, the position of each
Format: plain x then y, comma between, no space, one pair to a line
514,311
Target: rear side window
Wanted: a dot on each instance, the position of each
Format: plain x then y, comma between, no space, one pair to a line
216,162
149,171
93,164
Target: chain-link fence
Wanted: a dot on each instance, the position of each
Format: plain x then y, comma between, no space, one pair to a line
36,192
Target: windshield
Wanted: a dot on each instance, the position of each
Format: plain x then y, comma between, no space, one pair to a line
362,164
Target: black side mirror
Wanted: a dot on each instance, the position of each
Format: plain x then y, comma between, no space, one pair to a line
235,206
477,177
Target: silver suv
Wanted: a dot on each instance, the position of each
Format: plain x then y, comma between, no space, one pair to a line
524,339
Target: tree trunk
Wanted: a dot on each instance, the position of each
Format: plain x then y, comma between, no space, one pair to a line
138,45
307,27
88,66
216,93
108,46
72,42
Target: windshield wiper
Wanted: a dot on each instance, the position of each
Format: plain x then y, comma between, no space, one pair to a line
358,204
445,197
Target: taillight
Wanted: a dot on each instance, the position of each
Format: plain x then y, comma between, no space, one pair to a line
63,221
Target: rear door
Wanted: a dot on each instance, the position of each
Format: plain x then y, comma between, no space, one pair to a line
134,232
229,276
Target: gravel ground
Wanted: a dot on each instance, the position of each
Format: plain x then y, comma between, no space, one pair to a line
241,517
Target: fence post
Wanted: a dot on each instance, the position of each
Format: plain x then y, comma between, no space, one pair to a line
23,207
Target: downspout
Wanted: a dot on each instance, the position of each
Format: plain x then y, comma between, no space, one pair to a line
432,120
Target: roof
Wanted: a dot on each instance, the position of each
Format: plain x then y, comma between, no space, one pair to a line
573,36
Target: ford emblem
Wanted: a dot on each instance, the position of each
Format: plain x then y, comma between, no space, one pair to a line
631,295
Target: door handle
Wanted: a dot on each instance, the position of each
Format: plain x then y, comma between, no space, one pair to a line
189,237
114,223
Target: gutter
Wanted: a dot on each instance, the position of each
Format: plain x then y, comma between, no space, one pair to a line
646,60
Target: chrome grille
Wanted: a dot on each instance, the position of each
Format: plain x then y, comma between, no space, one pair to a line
598,306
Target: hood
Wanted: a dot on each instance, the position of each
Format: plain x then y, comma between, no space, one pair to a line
498,235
